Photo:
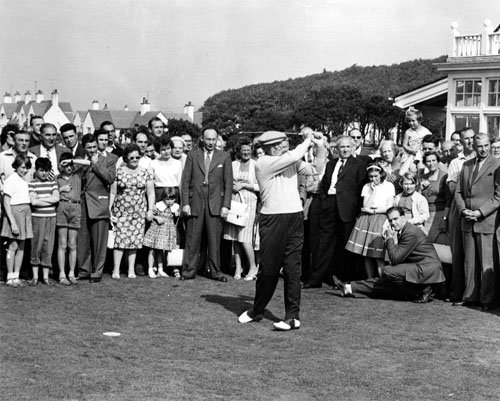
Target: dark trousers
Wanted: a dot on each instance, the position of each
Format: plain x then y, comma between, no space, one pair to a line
391,284
281,237
457,282
333,236
92,245
480,271
311,238
194,233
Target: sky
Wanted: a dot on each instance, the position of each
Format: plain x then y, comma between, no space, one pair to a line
175,51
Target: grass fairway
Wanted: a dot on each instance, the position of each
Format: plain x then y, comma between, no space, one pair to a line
181,341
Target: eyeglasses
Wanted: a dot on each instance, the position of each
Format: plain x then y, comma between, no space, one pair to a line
355,137
134,158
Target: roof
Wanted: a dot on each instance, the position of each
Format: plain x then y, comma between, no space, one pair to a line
9,108
177,116
99,116
422,94
65,107
41,108
144,119
123,118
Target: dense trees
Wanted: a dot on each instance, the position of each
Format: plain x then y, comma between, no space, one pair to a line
329,101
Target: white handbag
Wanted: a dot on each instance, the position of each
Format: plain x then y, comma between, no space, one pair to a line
238,214
174,257
111,238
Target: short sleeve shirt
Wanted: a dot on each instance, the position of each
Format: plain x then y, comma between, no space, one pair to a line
17,189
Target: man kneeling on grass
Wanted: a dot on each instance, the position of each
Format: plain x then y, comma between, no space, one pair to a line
414,267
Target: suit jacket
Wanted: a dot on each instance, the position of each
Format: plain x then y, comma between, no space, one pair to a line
59,150
483,194
414,247
220,181
96,182
349,185
79,152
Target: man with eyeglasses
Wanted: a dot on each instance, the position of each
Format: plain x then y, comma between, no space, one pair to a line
356,135
113,146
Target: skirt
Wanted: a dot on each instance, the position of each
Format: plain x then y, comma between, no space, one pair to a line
22,216
366,237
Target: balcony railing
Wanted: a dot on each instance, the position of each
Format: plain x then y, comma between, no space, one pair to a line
483,44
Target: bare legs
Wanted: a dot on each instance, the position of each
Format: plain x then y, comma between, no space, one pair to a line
117,260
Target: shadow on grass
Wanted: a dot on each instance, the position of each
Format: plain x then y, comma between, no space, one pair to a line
237,305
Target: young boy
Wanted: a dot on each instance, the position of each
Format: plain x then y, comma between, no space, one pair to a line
69,212
43,197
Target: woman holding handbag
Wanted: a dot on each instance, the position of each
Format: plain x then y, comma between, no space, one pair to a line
245,189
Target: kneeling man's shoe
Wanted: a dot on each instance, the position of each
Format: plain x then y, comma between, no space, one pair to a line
285,325
426,296
247,317
344,288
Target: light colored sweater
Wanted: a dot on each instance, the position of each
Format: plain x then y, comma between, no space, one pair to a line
277,178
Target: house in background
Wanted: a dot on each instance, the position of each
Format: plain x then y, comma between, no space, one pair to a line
470,94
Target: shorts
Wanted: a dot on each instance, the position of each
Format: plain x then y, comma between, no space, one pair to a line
68,215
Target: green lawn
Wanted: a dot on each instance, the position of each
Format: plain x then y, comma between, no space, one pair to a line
181,341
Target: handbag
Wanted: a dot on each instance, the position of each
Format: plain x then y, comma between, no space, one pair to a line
238,214
174,257
111,238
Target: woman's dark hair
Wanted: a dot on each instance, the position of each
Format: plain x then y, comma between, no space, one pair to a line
431,153
256,147
172,193
242,141
130,148
20,160
376,166
9,129
163,141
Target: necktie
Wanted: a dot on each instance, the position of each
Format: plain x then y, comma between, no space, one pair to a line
207,166
475,172
342,161
51,172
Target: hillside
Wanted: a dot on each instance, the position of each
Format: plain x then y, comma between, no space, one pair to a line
278,103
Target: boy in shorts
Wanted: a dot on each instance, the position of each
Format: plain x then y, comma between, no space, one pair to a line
69,212
44,196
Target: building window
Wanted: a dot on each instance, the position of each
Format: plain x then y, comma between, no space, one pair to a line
494,92
493,123
468,93
466,120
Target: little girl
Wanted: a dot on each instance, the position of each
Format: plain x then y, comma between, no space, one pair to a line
161,236
412,141
17,220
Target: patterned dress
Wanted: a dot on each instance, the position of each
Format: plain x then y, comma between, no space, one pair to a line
243,234
130,207
162,236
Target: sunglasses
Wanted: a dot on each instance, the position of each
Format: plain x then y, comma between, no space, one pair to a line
134,158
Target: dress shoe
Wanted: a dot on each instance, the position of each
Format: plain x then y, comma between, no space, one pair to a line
466,303
248,316
95,279
185,278
83,278
286,325
308,286
426,296
344,288
222,279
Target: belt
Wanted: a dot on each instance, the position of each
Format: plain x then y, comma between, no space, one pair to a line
70,201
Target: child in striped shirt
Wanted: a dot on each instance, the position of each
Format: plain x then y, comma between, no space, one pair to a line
44,196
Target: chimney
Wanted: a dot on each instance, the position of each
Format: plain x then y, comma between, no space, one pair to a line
145,106
17,97
95,105
55,97
27,97
189,110
7,98
125,108
39,96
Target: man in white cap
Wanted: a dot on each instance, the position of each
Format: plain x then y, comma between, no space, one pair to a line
281,222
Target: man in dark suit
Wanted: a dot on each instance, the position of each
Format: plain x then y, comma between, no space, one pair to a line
98,173
207,185
340,191
478,197
414,267
113,147
48,148
357,137
70,139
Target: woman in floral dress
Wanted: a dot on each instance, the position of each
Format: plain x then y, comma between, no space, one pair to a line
132,201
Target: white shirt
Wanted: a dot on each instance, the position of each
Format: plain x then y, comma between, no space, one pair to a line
52,155
167,173
335,176
380,196
7,158
456,166
17,189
